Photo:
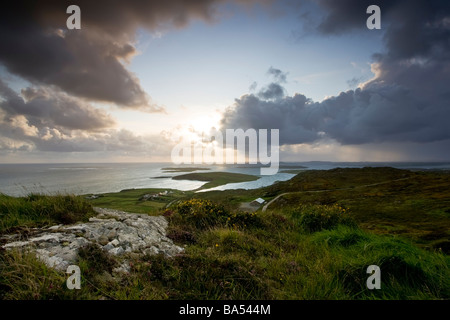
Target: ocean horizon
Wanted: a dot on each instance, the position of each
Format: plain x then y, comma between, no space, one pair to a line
96,178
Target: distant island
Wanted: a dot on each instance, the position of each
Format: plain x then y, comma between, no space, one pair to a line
215,179
185,169
286,166
292,171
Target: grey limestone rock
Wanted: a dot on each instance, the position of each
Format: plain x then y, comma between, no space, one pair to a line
116,231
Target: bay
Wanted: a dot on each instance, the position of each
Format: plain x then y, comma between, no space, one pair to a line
94,178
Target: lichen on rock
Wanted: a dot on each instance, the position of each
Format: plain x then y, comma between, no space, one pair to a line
117,232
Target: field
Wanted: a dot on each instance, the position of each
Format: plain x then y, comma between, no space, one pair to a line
314,242
133,200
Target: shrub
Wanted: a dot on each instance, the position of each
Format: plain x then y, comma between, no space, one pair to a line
314,218
204,214
181,234
201,213
241,219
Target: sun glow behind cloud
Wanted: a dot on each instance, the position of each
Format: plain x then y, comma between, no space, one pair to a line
126,88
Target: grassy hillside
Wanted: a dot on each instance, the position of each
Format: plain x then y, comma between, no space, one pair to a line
315,242
413,205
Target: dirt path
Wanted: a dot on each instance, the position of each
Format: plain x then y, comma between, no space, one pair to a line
326,190
246,206
273,200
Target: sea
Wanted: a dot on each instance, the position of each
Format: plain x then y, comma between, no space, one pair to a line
97,178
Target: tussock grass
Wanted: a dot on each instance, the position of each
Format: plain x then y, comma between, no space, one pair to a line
37,210
24,277
273,260
407,272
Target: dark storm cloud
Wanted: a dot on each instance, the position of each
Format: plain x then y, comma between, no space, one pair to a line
17,133
292,115
89,63
407,101
43,120
390,113
272,91
49,108
82,64
108,141
347,15
412,28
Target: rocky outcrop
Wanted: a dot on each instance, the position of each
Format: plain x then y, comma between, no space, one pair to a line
117,232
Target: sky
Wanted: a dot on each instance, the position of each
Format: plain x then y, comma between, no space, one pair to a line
139,75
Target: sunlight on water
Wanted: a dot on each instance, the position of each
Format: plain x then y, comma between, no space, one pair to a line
23,179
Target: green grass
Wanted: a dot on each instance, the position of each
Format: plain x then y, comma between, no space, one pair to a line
24,277
40,210
215,179
131,200
407,271
417,207
283,261
308,245
268,258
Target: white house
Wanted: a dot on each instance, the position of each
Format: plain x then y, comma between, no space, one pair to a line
257,202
